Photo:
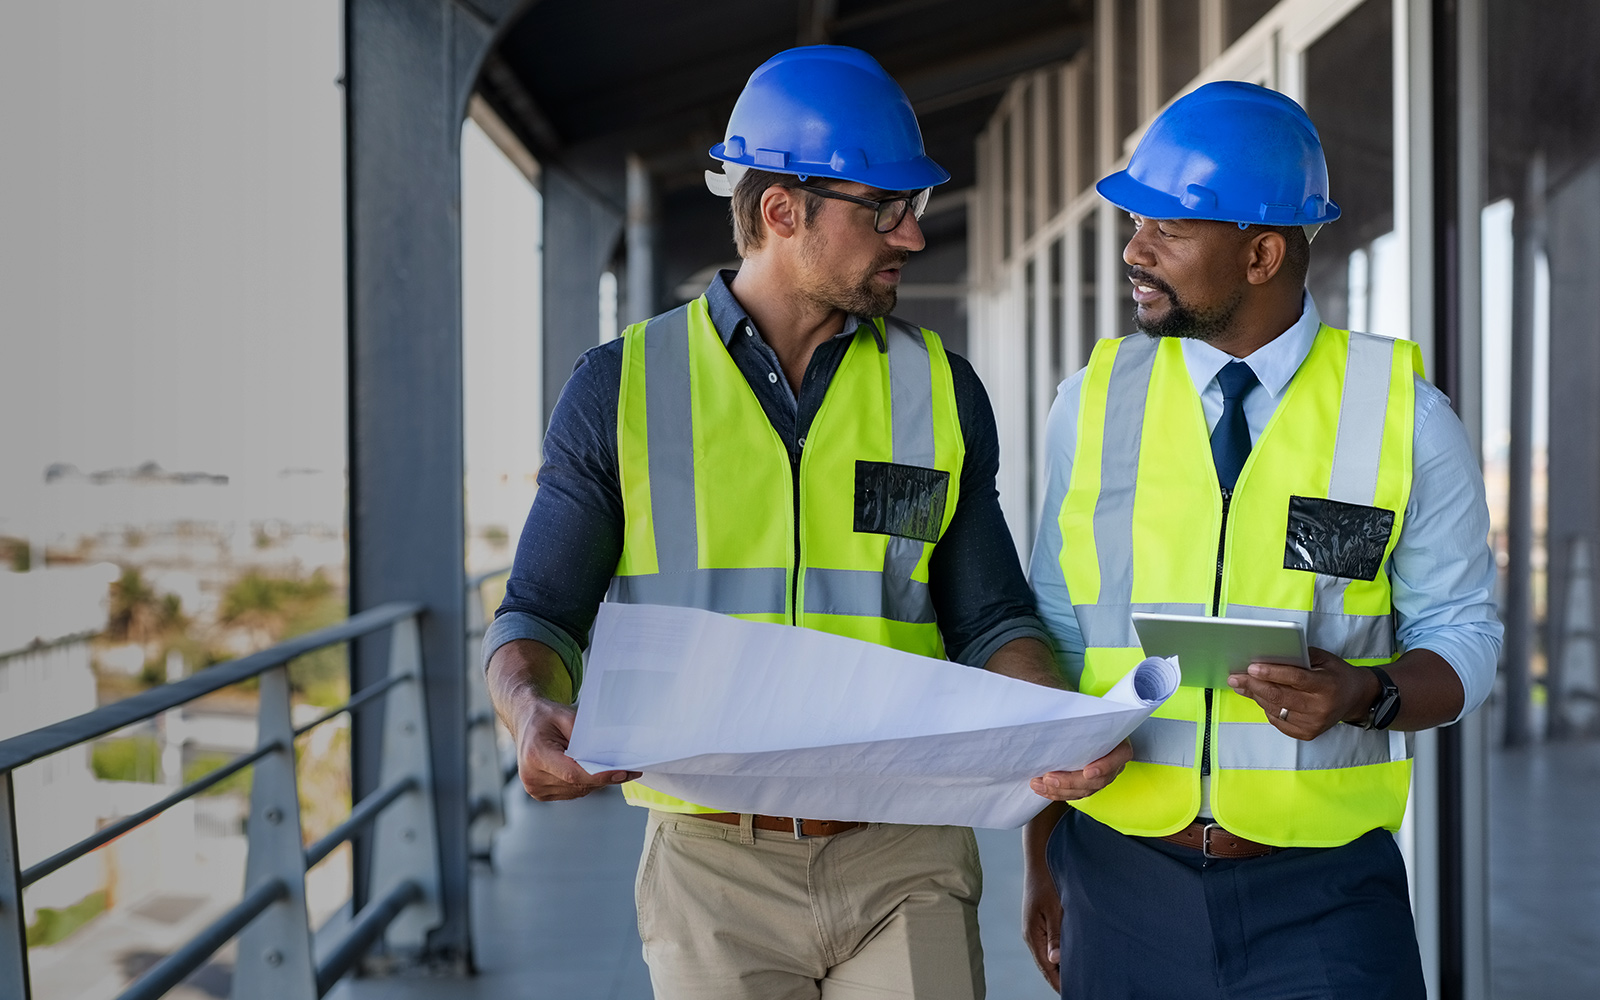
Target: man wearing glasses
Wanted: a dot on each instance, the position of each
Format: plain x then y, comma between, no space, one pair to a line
783,450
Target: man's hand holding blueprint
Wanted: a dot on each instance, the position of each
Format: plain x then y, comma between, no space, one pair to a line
760,718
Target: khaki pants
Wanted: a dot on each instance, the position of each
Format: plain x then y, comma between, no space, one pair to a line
881,911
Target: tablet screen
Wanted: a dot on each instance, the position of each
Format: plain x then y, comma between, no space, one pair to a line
1209,649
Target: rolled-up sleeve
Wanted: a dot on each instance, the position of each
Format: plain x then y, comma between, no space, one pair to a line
1442,569
572,539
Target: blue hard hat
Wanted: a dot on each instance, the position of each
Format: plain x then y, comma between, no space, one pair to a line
829,111
1231,152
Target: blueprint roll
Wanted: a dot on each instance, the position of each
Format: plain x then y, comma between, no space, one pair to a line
1149,684
756,717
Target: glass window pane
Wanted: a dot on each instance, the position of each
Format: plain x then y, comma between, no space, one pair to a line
1030,328
1088,123
1058,316
1052,118
1030,180
1088,245
1006,194
1239,15
1354,114
1541,355
1126,13
1180,45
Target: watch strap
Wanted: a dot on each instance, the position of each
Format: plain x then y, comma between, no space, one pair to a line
1387,705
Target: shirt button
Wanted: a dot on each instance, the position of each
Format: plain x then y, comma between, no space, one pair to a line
802,442
748,332
772,376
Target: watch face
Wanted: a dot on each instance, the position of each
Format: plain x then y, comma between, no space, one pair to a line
1386,709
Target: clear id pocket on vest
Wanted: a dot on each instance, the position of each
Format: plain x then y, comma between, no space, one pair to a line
904,500
1337,539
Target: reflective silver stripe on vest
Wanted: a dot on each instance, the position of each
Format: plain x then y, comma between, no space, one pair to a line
863,592
1354,637
1257,746
744,591
669,422
1119,469
1357,452
911,407
1111,625
1165,741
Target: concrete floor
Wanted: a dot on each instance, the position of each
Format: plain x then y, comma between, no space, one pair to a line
555,917
1544,871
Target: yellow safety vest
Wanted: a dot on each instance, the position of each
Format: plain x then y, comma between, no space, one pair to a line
1144,528
718,518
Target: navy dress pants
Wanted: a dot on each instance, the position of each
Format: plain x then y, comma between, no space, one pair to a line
1151,920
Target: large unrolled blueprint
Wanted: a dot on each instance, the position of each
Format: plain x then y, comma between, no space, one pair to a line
759,718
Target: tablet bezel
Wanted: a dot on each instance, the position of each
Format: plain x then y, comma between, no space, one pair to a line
1209,649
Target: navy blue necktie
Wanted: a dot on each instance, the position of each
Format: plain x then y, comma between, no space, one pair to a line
1230,439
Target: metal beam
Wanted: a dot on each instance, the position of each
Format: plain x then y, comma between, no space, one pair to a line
580,234
409,68
974,74
640,302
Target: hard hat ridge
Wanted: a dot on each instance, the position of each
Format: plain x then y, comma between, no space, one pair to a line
826,111
1230,152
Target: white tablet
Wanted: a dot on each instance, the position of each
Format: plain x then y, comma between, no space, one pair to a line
1209,649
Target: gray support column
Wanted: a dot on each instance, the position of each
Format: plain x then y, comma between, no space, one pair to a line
641,298
1574,455
409,67
1528,235
580,233
1464,763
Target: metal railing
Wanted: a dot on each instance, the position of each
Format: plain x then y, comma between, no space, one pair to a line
275,956
486,776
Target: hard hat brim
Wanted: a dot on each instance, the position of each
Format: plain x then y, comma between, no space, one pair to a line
1126,192
908,175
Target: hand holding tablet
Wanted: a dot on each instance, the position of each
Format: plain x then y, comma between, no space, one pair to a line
1209,649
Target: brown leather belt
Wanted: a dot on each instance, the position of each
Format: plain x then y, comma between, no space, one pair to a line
801,828
1215,842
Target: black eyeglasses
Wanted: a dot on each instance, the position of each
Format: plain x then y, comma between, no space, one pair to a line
889,212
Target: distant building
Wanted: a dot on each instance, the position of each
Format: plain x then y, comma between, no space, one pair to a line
47,618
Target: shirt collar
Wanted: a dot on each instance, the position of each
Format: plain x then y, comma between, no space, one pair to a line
729,317
1274,362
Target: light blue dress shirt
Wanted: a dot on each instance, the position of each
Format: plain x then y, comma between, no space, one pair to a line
1441,573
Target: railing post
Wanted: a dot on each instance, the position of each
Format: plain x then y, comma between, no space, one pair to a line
275,960
13,925
405,839
485,784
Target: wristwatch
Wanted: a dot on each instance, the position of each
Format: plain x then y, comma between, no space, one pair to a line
1386,706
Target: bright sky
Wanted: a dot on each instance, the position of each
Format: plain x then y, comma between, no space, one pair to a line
173,274
172,248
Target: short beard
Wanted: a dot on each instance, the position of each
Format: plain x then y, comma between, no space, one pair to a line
860,299
1183,320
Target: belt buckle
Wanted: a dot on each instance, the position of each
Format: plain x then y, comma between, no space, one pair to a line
1205,840
799,831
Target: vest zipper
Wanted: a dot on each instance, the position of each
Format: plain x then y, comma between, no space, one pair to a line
794,575
1216,609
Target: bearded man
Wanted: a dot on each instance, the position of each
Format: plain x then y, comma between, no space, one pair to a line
1240,458
783,450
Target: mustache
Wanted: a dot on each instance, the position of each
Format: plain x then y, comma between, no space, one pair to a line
892,262
1144,277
